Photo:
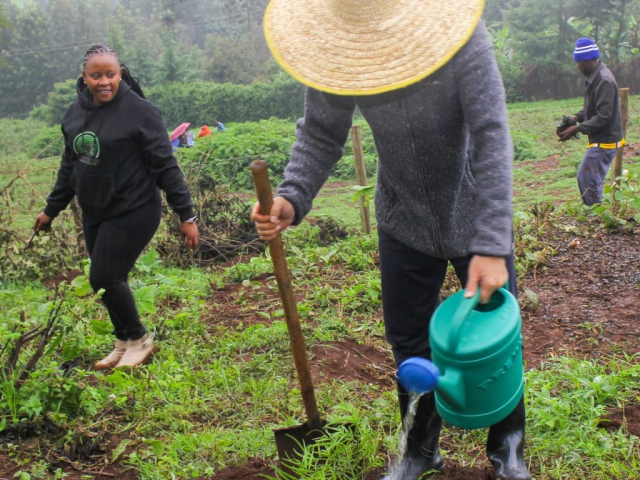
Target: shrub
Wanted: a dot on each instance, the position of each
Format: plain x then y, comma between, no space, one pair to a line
58,102
524,146
49,142
225,158
201,103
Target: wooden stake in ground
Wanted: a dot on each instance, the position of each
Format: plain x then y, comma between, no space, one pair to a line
616,171
361,175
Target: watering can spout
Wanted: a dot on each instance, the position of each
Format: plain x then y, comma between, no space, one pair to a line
451,389
421,376
418,375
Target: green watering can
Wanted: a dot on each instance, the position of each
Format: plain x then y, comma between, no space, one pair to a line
477,370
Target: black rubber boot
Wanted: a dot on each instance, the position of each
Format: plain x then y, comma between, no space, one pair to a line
423,442
505,446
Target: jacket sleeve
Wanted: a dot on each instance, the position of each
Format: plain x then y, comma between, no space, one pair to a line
320,138
605,102
62,193
162,164
483,102
580,115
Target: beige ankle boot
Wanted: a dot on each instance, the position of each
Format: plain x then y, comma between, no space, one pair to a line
113,358
137,352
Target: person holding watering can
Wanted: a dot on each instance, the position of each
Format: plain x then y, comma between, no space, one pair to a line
424,76
117,157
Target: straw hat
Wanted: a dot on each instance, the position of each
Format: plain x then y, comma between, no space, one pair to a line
363,47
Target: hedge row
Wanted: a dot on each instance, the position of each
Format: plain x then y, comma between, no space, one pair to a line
201,103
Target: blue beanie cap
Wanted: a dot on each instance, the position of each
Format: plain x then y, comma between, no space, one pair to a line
586,49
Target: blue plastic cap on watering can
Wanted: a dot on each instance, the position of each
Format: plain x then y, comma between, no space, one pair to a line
418,375
476,353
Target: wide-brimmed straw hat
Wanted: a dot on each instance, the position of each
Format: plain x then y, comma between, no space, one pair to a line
363,47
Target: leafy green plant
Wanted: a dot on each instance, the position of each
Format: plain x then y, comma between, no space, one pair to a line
524,144
620,209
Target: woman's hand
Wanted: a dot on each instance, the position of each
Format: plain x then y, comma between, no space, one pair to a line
189,233
43,223
489,272
282,215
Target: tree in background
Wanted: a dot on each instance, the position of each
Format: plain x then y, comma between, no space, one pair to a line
245,14
24,77
494,11
4,24
612,24
240,60
541,31
165,41
62,31
168,69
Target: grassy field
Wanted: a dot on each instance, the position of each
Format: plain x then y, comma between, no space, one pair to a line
224,377
544,170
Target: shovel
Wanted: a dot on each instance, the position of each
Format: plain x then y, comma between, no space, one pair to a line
289,441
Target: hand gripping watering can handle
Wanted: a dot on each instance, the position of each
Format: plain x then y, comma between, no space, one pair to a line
260,174
462,312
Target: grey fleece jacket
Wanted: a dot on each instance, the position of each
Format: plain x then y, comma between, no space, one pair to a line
435,193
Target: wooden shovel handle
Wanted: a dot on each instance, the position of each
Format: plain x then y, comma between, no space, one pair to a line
260,175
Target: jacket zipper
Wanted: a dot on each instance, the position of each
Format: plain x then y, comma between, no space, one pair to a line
425,183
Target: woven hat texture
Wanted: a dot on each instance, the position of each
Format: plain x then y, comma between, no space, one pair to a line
363,47
586,49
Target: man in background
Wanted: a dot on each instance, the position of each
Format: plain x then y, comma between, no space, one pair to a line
600,119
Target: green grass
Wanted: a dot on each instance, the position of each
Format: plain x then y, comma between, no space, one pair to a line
532,124
337,201
30,178
212,395
537,178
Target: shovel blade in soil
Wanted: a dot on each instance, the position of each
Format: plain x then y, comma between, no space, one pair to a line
291,442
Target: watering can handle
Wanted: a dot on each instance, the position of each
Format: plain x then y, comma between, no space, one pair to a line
462,312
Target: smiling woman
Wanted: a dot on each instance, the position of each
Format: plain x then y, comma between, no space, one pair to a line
102,74
116,160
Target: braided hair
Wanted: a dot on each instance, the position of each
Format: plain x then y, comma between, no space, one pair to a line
132,81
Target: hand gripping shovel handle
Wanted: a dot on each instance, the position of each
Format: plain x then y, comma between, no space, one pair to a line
260,175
